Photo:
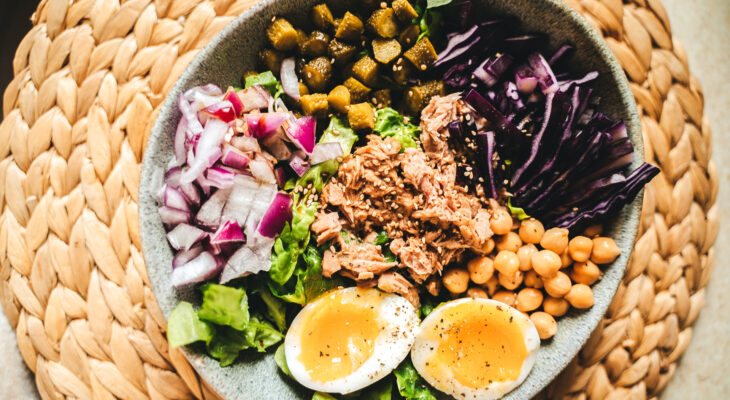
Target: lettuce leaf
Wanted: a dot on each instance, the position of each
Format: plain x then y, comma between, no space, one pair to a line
410,385
228,342
322,396
224,305
268,81
275,308
280,359
185,327
261,335
339,132
381,390
226,345
390,123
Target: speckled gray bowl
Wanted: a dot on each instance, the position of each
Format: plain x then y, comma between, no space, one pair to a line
234,51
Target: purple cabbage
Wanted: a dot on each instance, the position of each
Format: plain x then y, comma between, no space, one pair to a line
546,144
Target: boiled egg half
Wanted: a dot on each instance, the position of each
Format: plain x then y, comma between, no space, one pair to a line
475,348
349,338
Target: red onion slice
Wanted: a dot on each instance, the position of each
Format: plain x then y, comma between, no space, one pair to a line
207,150
289,80
210,212
175,199
230,231
194,125
180,139
219,177
253,98
222,110
199,269
183,256
234,157
302,132
171,216
278,214
235,101
184,236
262,125
298,164
325,152
262,171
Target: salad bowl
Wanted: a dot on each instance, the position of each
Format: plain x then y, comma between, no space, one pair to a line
223,62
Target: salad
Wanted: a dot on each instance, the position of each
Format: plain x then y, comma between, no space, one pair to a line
404,178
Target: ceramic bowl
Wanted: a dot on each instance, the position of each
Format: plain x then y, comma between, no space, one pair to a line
224,60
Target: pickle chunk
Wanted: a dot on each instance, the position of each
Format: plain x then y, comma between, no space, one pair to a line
358,91
422,54
404,10
381,98
315,104
317,74
282,34
271,59
361,116
322,17
366,71
341,52
339,99
350,28
384,23
418,97
386,50
315,44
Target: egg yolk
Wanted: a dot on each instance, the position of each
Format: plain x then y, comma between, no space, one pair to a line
479,344
339,334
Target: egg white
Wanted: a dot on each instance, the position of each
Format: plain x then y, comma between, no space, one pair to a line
424,348
400,325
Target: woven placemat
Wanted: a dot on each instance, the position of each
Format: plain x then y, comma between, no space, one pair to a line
89,78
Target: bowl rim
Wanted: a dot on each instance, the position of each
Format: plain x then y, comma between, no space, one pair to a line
631,212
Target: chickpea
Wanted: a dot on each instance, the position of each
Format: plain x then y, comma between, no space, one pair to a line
511,241
580,248
565,260
531,231
505,297
604,250
529,299
545,324
593,231
555,239
488,247
546,263
510,282
506,262
586,273
524,253
533,280
555,307
456,280
477,293
501,221
559,285
580,296
492,285
480,269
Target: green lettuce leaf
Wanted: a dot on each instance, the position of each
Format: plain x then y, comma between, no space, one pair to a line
184,326
275,308
280,359
290,243
224,305
339,132
268,81
380,390
437,3
226,345
390,123
260,334
322,396
381,239
518,212
410,385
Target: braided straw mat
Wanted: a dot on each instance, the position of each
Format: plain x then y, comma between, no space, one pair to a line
89,78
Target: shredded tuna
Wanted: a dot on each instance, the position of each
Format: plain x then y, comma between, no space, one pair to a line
413,196
326,227
393,282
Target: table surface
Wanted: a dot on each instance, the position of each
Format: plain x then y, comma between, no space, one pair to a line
703,27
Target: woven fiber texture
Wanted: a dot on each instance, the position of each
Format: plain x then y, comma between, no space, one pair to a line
89,78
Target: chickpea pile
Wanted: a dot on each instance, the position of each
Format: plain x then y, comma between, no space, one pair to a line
540,272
